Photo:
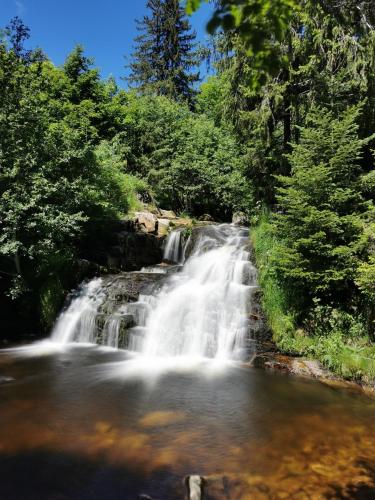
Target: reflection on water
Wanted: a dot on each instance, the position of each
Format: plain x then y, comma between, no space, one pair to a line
70,430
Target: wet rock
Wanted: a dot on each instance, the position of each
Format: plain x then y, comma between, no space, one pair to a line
240,219
309,367
127,321
127,287
134,251
211,235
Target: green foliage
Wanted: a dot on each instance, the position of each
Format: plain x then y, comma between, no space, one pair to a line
336,338
259,23
368,184
328,60
165,53
274,301
123,190
366,279
192,164
205,173
320,224
56,177
210,99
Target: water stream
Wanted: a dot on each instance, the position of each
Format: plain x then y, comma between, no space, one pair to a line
140,385
201,311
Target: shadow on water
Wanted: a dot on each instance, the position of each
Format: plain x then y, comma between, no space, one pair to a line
34,476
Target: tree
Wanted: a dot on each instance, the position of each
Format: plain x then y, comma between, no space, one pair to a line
326,59
17,33
84,79
57,189
320,220
164,56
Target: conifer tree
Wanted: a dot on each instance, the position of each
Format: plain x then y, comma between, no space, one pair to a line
164,56
320,220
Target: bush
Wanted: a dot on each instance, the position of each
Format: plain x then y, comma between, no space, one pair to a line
338,339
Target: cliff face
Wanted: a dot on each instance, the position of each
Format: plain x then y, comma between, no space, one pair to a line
133,243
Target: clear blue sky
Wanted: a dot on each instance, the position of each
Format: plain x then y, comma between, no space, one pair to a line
106,28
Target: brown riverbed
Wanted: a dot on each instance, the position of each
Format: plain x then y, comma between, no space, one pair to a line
77,424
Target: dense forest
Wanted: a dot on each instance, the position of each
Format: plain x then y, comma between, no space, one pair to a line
283,132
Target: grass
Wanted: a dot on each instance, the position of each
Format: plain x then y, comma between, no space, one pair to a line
351,356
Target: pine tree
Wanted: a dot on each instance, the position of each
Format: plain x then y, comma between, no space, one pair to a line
146,66
164,54
320,220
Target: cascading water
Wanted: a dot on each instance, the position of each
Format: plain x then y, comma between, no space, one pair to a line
201,311
77,322
173,251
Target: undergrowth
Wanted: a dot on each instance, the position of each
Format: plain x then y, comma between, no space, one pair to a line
337,339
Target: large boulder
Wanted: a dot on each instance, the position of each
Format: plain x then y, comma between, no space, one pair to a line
134,251
146,222
167,214
163,226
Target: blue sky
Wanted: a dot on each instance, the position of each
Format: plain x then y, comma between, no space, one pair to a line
105,28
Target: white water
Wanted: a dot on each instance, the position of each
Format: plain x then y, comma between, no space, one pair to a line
173,247
77,322
201,311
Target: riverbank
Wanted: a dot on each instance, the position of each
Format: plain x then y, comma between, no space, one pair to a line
308,368
336,358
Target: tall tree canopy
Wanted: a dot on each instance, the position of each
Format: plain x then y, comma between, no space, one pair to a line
165,57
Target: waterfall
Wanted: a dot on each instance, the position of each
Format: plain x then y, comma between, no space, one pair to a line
77,322
203,310
173,247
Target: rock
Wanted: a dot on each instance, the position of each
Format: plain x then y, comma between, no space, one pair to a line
134,251
167,214
240,219
146,222
206,218
5,380
210,230
163,226
127,321
194,485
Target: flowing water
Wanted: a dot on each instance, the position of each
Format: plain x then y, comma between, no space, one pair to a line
201,311
82,421
173,251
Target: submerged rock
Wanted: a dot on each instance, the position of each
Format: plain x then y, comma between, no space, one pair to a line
5,380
